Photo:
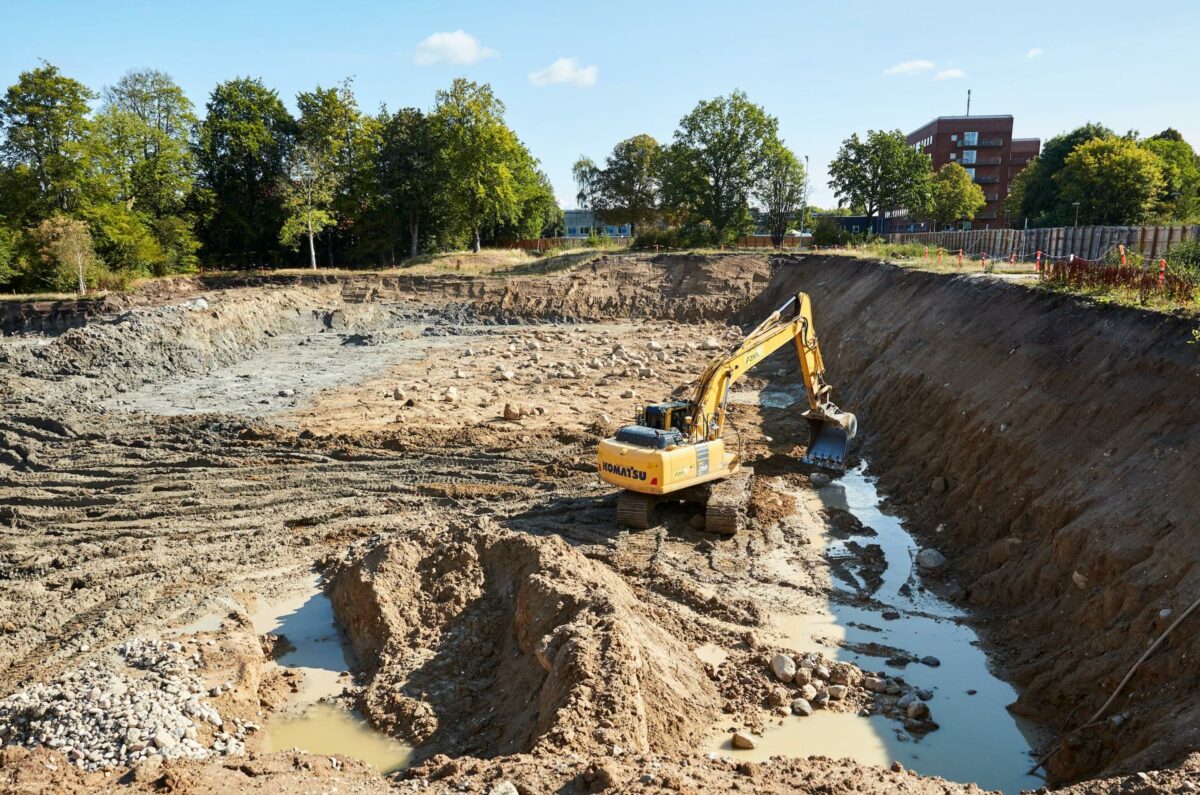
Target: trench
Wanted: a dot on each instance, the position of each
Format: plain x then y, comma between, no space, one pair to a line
318,650
885,622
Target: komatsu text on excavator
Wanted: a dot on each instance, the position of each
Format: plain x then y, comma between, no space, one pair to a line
677,450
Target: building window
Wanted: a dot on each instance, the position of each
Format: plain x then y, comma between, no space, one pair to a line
971,139
971,171
570,230
854,228
954,155
969,156
953,136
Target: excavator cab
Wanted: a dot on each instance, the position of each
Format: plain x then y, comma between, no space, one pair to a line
670,416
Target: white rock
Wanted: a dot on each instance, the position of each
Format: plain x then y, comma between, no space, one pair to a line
784,667
628,393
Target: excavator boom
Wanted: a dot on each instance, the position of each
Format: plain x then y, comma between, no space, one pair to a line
677,448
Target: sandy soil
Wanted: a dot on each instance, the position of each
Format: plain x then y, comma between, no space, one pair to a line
504,624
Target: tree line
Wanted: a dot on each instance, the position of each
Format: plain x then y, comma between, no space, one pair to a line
725,171
1089,175
96,189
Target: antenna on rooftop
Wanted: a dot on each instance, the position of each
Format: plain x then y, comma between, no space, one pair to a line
968,102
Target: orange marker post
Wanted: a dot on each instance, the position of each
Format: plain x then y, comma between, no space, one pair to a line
1162,272
983,260
960,253
1012,258
939,256
927,253
1037,263
1121,248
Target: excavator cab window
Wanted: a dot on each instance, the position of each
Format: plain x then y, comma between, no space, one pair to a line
667,416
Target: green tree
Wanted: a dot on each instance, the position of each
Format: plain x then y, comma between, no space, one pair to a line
714,161
1114,181
242,151
479,155
626,190
43,118
308,191
1180,198
880,173
780,189
409,171
64,256
142,133
348,142
1035,193
954,196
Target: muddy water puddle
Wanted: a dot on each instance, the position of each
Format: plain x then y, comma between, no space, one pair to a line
316,649
979,740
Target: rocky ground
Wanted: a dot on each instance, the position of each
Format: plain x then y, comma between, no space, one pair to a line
433,459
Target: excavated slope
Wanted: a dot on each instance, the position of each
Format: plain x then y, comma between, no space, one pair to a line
1053,444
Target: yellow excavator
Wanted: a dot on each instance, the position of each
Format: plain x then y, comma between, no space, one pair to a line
677,451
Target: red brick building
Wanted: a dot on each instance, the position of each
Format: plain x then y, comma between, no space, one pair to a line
985,147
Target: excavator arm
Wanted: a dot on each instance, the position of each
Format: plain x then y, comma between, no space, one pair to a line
830,429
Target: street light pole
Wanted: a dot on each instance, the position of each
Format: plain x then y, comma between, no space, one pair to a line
1076,205
804,202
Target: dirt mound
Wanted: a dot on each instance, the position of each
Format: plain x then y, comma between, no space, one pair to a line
1053,444
487,642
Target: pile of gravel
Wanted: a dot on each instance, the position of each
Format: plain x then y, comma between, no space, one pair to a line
102,717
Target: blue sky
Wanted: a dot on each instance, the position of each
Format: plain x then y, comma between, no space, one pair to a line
578,77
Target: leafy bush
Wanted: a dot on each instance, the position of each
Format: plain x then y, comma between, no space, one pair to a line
1185,255
828,232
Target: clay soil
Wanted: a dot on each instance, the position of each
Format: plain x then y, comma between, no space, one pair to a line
215,444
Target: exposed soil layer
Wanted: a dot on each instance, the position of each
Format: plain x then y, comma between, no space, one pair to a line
505,624
1053,444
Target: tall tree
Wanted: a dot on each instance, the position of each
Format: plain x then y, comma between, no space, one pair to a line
43,118
780,189
340,135
626,190
409,170
954,196
243,148
142,132
1036,189
1180,199
879,173
307,194
716,157
479,154
1113,180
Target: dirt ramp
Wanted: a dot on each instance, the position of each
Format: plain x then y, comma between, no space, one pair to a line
1052,444
486,642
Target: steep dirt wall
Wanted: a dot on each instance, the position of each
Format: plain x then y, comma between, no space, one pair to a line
1053,445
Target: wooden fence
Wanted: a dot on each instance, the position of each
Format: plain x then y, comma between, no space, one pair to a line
764,241
547,243
1087,242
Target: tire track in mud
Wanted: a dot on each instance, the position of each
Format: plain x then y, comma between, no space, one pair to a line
214,499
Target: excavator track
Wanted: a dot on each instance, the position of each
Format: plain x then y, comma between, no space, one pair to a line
635,510
727,503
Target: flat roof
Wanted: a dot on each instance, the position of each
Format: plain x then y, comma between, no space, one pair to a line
959,118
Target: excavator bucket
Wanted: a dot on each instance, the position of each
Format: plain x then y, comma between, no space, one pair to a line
828,441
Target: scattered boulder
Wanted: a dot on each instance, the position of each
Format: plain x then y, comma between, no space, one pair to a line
917,710
837,692
778,697
450,395
507,375
800,706
628,393
931,661
511,412
930,559
784,667
399,394
742,741
819,480
710,344
938,485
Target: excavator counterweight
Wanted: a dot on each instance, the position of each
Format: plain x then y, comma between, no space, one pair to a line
677,449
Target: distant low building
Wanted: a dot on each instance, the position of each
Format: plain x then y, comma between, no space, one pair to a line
582,223
986,148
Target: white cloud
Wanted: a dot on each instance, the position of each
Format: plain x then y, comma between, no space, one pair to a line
565,71
950,74
456,48
909,67
1034,52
